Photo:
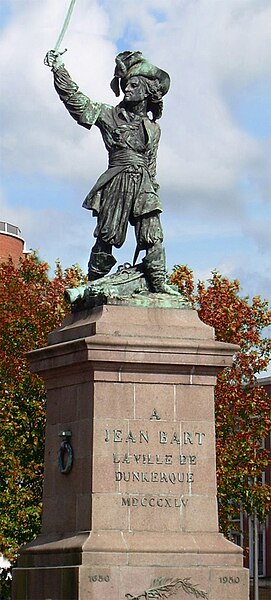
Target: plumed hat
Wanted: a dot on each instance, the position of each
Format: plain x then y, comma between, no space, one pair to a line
133,64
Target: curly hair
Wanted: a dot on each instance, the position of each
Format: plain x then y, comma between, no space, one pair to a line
154,101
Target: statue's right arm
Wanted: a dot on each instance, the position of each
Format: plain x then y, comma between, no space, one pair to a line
80,107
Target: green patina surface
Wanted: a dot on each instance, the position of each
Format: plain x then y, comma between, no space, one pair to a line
128,287
127,192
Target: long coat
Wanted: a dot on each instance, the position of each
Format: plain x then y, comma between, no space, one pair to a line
127,190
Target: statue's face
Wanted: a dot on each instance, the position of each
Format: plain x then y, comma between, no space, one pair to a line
135,90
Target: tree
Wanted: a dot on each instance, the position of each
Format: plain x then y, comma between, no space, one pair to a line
32,305
242,406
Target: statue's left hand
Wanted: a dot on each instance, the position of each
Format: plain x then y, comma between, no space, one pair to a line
53,59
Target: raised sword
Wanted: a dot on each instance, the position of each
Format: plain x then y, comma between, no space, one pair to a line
62,33
65,26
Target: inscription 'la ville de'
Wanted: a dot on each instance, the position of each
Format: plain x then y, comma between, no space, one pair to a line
153,459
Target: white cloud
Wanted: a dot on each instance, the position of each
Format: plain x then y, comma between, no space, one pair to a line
38,135
259,231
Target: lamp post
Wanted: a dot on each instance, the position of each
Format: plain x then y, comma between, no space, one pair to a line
255,535
256,557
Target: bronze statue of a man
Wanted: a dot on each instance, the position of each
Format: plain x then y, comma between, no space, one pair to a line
127,192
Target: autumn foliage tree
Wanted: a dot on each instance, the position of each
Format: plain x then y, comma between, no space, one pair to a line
32,305
242,406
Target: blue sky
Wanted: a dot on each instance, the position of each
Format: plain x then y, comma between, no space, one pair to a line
214,157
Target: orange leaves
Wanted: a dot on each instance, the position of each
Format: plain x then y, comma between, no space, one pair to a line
32,305
183,277
242,408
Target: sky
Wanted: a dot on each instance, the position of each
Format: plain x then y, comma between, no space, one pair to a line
214,156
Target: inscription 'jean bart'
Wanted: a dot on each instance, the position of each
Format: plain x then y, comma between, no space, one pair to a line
117,435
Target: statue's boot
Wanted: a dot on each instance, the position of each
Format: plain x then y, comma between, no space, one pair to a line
155,270
100,263
155,267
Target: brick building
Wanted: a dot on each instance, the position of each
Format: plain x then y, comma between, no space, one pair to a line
11,242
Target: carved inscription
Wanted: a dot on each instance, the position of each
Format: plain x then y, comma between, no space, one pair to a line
153,459
117,435
227,579
99,578
170,469
153,501
154,477
155,415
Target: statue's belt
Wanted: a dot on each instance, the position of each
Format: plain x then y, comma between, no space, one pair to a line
123,158
119,161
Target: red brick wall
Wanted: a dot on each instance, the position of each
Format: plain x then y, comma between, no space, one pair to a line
10,246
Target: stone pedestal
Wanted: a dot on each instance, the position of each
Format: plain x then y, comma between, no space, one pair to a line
137,511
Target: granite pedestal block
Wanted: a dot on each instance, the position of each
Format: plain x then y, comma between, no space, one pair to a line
136,515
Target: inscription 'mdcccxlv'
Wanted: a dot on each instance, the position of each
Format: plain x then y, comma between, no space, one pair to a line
162,502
